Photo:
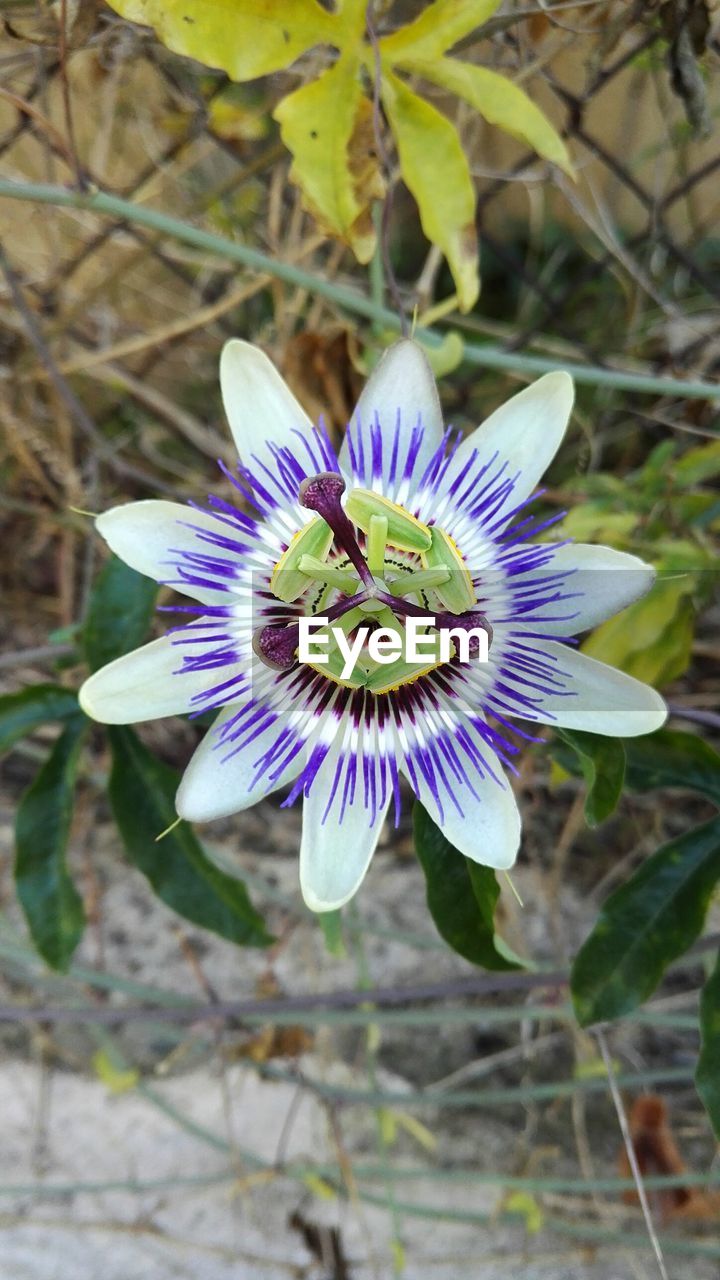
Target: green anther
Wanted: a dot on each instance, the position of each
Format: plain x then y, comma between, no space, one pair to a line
377,536
403,530
384,618
417,580
335,664
333,670
458,593
320,571
314,539
386,678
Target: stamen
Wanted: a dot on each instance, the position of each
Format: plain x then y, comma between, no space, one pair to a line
471,620
417,580
321,493
376,544
319,571
276,646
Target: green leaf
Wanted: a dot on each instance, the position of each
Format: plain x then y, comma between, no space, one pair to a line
707,1076
651,639
461,897
697,465
119,613
673,758
593,522
142,794
245,40
499,101
602,761
523,1203
437,28
436,172
327,125
117,1079
645,925
24,711
52,905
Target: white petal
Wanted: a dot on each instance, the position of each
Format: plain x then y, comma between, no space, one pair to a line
487,828
602,583
526,432
142,685
216,784
401,381
260,407
144,534
336,846
600,699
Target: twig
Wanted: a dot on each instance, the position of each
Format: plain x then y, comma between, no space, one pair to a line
480,984
631,1154
76,409
347,998
80,179
33,113
42,653
166,333
709,718
390,277
351,299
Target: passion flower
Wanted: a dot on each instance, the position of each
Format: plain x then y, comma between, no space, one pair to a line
405,521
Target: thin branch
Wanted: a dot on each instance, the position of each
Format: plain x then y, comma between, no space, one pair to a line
80,178
631,1153
76,409
239,1010
347,297
709,718
390,276
34,114
42,653
479,984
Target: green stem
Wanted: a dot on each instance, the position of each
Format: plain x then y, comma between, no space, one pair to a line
372,1039
350,299
377,274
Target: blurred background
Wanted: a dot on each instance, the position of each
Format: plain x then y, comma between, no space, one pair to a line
460,1124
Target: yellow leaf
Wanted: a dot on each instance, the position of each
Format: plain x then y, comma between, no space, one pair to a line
558,775
417,1130
499,101
397,1250
327,125
245,40
388,1126
234,120
593,1069
117,1079
438,28
436,172
352,16
319,1187
446,357
522,1202
651,639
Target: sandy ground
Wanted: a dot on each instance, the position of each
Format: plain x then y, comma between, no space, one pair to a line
173,1178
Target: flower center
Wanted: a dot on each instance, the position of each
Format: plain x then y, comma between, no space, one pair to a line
404,569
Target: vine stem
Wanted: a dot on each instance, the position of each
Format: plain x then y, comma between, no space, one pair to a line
350,299
372,1040
631,1154
386,213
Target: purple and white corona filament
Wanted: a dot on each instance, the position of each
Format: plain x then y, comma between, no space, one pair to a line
403,521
